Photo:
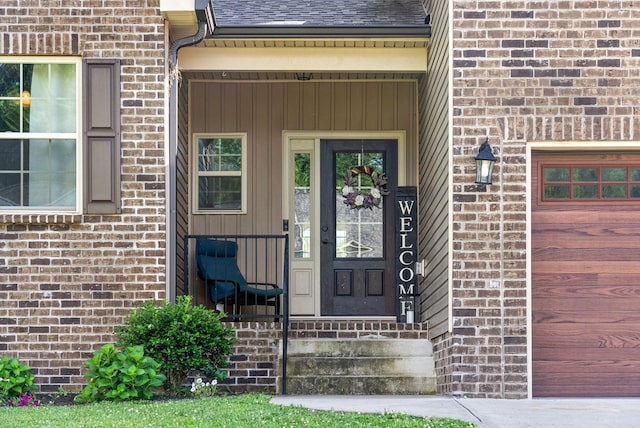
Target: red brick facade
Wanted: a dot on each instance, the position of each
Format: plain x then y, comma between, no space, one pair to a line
67,280
523,72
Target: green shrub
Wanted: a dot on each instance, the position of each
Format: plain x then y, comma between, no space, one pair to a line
16,379
184,338
120,375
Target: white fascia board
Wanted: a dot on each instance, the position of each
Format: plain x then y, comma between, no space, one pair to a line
303,59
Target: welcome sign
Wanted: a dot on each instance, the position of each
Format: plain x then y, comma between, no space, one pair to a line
406,214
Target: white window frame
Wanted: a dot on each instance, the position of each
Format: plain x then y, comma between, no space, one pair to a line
77,136
242,173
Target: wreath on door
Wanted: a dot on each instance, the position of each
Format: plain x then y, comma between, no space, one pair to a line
358,199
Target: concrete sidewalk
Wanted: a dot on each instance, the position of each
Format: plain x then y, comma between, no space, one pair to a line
487,413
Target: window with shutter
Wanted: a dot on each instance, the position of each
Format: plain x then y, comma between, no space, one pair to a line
102,136
40,134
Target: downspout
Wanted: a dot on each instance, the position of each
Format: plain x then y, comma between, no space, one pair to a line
172,181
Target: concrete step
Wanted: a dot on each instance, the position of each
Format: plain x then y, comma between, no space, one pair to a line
358,385
371,365
361,366
364,347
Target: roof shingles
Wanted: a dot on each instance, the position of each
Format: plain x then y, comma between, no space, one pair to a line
319,13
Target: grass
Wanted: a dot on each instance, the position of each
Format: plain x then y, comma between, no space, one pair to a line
250,410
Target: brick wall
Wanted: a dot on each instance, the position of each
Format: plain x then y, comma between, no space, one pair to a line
66,281
523,71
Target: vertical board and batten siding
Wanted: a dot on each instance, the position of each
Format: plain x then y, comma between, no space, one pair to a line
433,179
265,110
182,184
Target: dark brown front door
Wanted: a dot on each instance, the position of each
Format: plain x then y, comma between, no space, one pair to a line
357,250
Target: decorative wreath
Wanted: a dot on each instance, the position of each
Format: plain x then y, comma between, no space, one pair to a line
357,199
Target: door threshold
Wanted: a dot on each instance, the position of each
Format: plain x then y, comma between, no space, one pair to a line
342,318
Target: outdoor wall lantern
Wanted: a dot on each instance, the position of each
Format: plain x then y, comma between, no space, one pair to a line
484,163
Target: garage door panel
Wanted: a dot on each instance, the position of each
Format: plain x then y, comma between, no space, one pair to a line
586,290
587,305
570,217
618,367
582,317
626,356
564,279
573,241
601,389
588,266
587,254
573,335
544,280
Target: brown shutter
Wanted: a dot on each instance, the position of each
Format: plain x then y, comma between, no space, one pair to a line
101,136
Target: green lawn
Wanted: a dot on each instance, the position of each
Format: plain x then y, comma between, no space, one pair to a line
250,410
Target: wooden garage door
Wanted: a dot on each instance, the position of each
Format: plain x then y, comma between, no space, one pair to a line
586,275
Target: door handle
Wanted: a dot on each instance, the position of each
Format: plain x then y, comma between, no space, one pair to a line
325,240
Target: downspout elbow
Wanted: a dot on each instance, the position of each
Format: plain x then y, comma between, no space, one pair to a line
186,41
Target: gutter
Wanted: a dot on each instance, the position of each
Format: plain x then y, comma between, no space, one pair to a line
284,31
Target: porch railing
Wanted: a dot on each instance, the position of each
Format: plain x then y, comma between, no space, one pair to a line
262,262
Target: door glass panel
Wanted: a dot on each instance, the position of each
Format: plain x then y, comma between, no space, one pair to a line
617,191
302,201
585,174
359,232
556,191
556,174
585,191
614,174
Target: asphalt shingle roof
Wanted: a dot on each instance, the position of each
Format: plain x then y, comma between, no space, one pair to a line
319,13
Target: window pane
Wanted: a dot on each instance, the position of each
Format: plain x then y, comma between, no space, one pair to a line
220,193
10,189
10,155
556,192
635,191
614,191
635,173
585,174
556,174
302,201
583,191
614,174
359,232
52,175
53,98
220,154
10,90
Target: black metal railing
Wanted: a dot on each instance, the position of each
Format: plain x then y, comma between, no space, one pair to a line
245,276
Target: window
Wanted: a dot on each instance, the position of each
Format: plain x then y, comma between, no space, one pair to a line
593,183
221,173
39,134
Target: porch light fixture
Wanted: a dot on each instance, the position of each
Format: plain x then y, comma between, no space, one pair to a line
304,77
484,163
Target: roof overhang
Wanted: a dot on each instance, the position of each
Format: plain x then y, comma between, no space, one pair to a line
183,17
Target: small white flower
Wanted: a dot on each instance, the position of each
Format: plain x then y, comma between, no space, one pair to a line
346,190
359,200
193,389
214,382
206,384
375,193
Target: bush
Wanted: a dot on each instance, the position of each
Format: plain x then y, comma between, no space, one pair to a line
185,339
120,375
16,379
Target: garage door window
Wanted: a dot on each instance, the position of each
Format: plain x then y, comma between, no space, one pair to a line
591,183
